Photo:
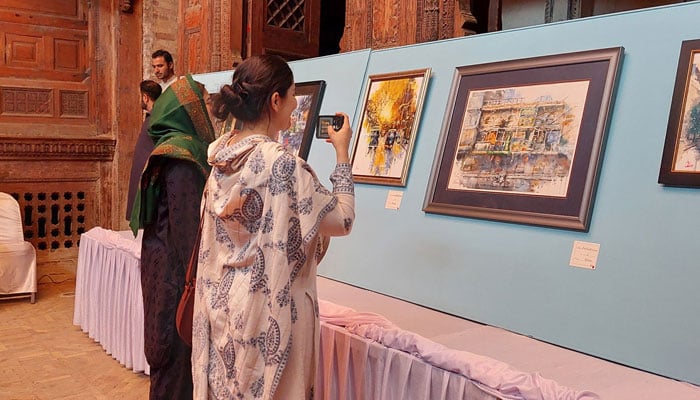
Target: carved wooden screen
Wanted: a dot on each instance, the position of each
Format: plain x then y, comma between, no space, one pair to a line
289,28
54,218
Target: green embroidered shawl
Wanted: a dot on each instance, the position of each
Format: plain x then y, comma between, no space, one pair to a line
181,129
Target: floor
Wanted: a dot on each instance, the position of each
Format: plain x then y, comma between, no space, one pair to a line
44,356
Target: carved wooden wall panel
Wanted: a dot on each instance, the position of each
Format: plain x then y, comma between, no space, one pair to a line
206,38
57,136
358,26
214,35
55,215
45,70
383,23
57,183
196,20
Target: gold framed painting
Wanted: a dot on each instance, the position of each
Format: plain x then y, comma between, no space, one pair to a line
388,127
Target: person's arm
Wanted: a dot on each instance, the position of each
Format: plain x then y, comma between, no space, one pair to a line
338,222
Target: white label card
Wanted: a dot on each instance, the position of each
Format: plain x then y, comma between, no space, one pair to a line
393,200
584,255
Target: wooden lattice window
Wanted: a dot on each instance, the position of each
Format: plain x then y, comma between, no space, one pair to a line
286,14
53,219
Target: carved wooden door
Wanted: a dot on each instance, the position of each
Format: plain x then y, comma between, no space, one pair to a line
289,28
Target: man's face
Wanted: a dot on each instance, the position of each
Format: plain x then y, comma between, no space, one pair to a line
162,69
144,100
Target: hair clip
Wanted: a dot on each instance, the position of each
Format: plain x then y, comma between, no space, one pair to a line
238,89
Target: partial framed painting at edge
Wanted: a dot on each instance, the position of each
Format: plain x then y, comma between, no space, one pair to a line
300,134
388,127
522,140
680,162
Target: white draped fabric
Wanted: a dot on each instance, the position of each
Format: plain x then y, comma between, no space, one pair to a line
17,256
108,297
352,367
362,355
365,356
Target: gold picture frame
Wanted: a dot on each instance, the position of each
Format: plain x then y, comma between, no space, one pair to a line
388,127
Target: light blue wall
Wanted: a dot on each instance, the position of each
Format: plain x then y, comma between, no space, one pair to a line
640,306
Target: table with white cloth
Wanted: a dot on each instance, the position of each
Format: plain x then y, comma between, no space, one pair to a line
108,297
362,355
355,367
366,356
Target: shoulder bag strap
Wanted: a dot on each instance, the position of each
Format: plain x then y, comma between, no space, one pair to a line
191,274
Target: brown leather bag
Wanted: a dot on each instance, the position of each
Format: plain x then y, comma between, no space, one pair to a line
185,309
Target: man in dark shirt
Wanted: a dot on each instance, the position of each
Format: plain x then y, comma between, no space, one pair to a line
150,91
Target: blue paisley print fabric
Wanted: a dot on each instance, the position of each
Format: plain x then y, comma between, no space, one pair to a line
267,220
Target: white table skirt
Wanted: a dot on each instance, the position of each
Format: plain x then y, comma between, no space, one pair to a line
108,297
352,367
362,355
366,356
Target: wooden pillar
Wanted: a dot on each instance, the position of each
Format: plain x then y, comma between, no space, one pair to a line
128,116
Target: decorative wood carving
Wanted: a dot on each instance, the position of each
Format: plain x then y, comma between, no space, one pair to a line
45,71
196,30
56,210
74,104
26,102
56,214
467,19
286,14
385,23
33,148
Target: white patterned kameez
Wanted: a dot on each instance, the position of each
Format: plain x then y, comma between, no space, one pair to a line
267,220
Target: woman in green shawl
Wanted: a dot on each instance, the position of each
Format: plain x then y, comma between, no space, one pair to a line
167,209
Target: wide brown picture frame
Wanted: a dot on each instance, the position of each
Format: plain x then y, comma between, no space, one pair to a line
522,140
297,139
679,163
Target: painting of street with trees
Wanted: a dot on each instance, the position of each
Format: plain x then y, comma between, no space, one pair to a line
388,127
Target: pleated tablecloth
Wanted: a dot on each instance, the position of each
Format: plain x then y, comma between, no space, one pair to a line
108,297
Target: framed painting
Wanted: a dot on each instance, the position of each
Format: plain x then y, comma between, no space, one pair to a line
303,125
680,162
522,140
388,127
